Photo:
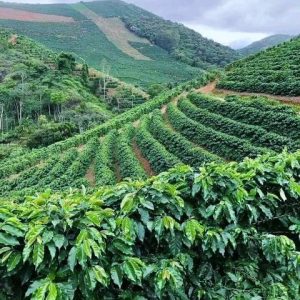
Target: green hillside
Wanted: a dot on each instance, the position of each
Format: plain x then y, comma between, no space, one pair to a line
265,43
181,42
274,71
46,96
168,58
174,128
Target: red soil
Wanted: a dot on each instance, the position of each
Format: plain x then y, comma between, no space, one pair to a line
144,162
22,15
211,88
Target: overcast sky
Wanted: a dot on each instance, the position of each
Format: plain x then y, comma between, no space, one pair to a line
231,22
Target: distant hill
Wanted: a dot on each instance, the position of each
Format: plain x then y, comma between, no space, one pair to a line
274,71
140,47
265,43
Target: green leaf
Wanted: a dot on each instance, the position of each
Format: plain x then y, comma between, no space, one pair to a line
13,261
117,275
52,292
38,254
81,256
52,249
8,240
47,236
193,229
72,258
100,275
133,268
59,240
127,203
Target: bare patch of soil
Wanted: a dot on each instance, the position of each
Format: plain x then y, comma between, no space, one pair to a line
211,89
117,33
90,175
22,15
143,161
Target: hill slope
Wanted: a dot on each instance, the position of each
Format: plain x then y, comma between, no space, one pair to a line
46,96
265,43
140,47
153,137
273,71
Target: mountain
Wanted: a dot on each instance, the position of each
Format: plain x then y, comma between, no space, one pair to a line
265,43
274,71
46,96
139,46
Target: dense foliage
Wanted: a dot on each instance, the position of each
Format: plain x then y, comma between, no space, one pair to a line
274,71
181,42
39,86
224,231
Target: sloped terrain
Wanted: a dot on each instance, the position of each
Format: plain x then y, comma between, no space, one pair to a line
47,96
274,71
189,129
157,65
264,44
140,47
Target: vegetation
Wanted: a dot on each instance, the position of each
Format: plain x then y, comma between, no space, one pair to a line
225,231
181,42
145,141
43,96
264,44
73,38
273,71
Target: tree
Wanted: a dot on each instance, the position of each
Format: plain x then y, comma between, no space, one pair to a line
66,62
105,69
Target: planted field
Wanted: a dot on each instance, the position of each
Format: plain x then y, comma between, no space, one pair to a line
148,140
94,38
274,71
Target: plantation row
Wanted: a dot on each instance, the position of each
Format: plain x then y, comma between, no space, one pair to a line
194,131
274,71
19,163
224,231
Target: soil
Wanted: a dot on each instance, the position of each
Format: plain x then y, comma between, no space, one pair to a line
90,175
22,15
211,89
143,161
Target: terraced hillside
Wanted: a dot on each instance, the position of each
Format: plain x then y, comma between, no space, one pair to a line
175,128
274,71
101,30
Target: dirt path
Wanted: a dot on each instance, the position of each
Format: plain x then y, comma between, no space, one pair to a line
211,89
143,161
90,174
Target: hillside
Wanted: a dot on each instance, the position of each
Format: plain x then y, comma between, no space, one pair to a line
140,47
274,71
265,43
175,128
47,96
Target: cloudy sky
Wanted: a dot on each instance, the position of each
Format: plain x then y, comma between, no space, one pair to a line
231,22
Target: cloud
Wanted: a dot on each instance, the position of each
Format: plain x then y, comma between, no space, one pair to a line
267,16
232,22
